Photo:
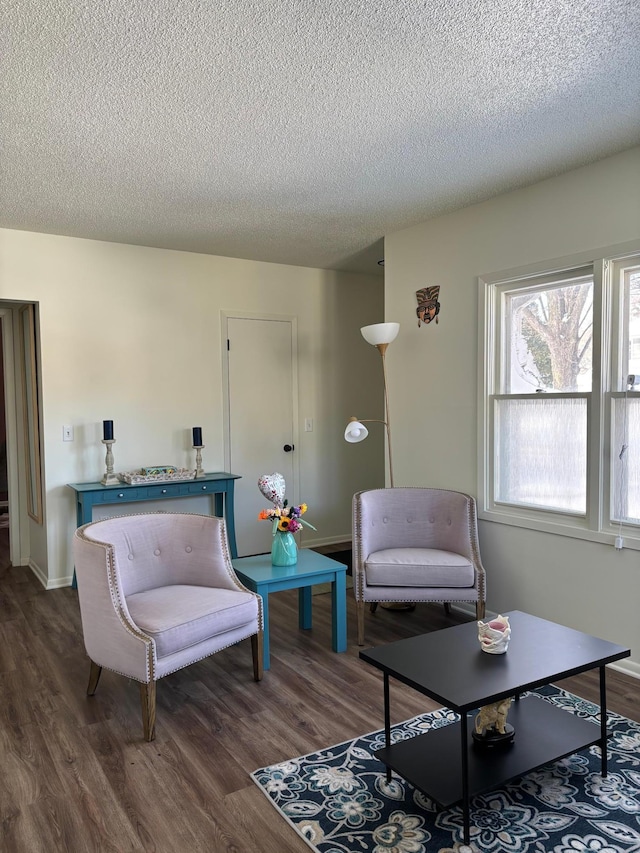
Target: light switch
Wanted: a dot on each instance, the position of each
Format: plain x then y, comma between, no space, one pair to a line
308,424
67,433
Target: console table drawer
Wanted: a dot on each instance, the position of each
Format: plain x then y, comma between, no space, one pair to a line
198,488
166,490
113,495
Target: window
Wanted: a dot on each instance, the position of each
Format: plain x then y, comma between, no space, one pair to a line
560,407
625,493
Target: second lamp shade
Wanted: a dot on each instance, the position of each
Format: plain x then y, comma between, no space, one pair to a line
355,432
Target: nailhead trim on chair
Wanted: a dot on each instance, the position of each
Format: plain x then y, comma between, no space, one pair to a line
123,613
120,607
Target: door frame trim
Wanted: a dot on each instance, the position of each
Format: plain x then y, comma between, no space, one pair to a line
12,389
225,316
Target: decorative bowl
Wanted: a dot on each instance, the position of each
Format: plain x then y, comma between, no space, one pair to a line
133,478
494,635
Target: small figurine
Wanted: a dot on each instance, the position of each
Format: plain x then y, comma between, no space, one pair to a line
493,717
491,727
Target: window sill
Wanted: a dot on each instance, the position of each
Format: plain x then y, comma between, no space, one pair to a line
570,527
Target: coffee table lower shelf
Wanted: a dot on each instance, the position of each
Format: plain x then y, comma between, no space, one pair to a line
432,762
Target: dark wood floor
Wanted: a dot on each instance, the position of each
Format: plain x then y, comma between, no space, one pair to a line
77,776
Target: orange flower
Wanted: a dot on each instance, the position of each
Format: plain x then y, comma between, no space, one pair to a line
263,515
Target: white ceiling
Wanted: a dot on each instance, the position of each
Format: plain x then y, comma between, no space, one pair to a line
299,131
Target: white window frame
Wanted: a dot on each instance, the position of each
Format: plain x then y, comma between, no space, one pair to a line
607,383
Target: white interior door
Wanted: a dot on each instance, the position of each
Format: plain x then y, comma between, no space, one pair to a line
261,419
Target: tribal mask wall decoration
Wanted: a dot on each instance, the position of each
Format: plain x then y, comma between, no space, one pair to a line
428,305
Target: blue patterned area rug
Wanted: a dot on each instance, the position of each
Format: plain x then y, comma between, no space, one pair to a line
339,801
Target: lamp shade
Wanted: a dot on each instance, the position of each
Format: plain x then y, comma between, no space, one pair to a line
380,333
355,432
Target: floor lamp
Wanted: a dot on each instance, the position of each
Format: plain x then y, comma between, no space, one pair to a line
380,335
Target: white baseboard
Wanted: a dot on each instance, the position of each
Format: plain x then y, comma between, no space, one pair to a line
626,667
58,583
37,571
332,540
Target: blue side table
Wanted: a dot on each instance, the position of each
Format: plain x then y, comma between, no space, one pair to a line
258,575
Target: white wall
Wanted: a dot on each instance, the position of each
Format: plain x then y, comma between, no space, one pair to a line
433,377
133,334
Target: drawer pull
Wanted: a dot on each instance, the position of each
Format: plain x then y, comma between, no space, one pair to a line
204,488
121,495
164,491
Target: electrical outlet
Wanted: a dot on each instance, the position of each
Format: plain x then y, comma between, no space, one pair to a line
308,424
67,433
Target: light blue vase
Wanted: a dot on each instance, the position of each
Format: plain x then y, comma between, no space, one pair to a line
284,550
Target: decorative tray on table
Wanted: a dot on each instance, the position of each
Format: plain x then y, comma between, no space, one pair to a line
156,474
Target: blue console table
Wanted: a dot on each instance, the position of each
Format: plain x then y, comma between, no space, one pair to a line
220,485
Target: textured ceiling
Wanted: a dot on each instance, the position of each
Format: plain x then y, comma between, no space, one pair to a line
299,131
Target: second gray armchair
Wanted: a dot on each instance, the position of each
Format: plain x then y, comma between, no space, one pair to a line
415,545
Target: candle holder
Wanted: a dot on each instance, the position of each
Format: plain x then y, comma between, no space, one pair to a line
199,469
109,478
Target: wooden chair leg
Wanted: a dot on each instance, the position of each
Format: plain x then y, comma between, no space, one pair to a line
148,702
257,650
479,609
360,614
447,608
94,678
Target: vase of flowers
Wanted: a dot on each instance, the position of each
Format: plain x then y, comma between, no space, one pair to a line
286,520
284,550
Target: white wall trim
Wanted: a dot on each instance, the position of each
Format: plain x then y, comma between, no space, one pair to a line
11,415
42,577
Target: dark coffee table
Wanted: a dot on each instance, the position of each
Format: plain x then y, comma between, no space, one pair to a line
449,667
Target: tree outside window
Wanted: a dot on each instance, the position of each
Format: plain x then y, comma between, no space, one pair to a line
562,441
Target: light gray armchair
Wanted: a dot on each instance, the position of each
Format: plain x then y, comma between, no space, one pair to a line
413,545
157,592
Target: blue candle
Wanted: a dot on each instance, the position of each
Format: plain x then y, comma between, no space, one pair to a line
107,430
197,436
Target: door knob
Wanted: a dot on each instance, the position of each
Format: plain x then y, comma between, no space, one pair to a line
288,448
